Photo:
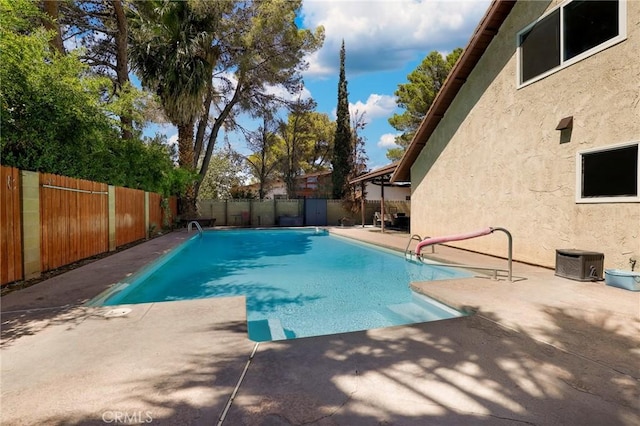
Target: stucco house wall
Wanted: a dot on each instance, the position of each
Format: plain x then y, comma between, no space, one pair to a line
495,159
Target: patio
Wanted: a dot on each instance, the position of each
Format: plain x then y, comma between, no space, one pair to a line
541,350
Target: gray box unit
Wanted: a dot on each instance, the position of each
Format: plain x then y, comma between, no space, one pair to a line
579,265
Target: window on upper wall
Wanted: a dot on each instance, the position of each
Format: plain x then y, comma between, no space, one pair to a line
608,174
573,31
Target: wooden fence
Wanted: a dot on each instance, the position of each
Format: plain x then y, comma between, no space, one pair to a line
162,212
156,215
130,215
10,226
74,220
48,221
173,210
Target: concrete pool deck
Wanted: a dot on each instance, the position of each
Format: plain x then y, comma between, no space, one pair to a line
541,350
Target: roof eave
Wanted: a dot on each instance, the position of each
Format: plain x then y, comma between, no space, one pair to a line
381,171
480,40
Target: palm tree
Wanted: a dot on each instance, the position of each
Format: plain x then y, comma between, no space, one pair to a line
172,52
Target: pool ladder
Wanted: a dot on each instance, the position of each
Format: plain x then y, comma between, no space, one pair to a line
190,226
409,255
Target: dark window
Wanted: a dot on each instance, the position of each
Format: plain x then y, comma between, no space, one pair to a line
588,24
612,173
540,47
585,25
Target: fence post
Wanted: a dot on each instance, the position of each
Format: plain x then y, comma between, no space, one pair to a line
112,218
146,215
31,226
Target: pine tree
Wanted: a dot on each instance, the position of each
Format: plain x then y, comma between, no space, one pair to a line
416,96
342,148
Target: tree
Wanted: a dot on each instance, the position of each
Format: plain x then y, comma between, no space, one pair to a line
224,176
342,146
204,58
317,155
351,201
305,145
50,22
261,48
54,118
101,28
263,162
172,51
358,154
290,147
295,137
416,96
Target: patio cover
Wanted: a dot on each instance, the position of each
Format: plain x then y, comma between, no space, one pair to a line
380,176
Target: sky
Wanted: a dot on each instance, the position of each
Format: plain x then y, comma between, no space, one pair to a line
384,41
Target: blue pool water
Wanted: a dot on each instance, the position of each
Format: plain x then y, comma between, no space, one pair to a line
297,283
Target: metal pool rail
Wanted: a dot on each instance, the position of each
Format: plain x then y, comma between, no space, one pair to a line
194,222
428,241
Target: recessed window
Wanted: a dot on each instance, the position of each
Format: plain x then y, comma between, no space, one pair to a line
567,34
609,175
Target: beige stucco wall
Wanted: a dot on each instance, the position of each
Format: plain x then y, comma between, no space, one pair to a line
497,160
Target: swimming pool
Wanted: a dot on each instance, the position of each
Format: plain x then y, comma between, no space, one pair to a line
297,283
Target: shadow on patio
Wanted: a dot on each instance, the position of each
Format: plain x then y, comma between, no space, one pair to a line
463,371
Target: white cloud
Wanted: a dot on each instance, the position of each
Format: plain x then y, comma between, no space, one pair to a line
385,34
282,93
376,106
317,67
173,139
388,140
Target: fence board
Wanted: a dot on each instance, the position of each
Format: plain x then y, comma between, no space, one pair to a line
155,211
74,220
10,226
129,215
173,210
162,217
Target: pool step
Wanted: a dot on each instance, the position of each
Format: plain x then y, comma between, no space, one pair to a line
411,312
276,329
421,310
266,330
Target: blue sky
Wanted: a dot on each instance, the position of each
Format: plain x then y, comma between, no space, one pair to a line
385,40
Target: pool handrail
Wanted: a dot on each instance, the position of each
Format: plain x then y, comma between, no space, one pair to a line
194,222
427,241
448,238
419,239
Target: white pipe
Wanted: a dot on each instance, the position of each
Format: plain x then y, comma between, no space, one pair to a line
62,188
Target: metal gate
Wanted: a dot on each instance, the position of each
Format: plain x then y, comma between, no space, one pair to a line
315,212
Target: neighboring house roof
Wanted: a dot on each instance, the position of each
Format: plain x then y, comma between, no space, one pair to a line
307,185
321,173
482,37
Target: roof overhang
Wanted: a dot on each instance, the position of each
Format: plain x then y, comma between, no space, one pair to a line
380,176
480,40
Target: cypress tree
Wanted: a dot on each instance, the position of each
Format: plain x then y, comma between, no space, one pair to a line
342,158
